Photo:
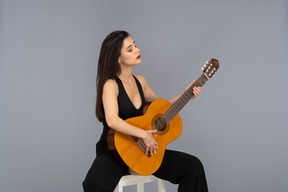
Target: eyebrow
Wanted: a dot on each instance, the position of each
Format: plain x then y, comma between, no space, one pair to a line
130,45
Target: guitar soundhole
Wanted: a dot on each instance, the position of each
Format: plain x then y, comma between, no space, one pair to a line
160,125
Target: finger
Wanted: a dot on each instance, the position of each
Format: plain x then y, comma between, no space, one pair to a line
155,148
197,90
190,85
152,150
155,144
147,150
153,131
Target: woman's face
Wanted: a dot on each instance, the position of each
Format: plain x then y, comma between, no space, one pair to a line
130,54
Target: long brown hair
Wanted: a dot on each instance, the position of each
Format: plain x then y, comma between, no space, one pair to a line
108,66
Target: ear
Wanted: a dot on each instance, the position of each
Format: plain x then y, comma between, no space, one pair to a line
119,60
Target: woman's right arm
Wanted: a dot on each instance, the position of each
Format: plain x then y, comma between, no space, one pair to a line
110,104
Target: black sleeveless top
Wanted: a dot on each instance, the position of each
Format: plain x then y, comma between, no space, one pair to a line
126,110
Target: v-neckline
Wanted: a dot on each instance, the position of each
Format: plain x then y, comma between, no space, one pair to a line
128,95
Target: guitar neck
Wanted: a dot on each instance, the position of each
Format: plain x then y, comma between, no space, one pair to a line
184,99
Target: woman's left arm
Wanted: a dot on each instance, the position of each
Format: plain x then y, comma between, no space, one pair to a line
151,96
196,91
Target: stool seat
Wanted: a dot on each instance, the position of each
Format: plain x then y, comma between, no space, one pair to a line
139,180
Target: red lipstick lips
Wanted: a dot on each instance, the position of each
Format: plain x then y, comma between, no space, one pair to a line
138,57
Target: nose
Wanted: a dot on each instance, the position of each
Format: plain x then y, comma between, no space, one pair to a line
137,49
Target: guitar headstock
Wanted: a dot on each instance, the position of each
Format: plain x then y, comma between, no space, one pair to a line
210,67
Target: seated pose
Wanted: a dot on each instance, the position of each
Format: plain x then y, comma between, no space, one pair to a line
120,95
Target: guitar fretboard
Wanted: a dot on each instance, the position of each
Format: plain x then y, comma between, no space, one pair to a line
184,99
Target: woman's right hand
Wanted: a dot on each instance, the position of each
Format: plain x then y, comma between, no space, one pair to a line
150,142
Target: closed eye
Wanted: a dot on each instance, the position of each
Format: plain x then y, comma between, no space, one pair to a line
129,48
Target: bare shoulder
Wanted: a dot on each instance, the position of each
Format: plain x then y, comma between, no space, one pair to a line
110,86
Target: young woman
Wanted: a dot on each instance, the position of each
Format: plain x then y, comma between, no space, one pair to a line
120,95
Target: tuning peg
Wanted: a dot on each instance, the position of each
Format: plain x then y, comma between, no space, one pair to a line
212,72
205,65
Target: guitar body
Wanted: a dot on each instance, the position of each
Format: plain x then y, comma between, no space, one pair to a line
128,149
163,117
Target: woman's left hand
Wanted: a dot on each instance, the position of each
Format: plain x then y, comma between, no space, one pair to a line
196,90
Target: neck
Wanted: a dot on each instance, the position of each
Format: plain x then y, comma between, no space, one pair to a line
126,73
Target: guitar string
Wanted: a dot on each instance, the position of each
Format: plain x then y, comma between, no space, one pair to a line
161,125
179,104
172,111
169,115
183,100
141,145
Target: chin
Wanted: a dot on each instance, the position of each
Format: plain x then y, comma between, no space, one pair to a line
138,62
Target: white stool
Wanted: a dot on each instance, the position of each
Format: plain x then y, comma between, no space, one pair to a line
128,180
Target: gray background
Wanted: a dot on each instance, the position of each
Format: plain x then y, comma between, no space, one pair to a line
48,58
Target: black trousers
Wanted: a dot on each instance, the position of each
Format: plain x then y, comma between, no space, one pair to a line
177,167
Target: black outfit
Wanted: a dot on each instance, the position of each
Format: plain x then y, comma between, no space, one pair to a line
177,167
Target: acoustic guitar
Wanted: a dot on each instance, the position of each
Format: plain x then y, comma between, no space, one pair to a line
159,115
